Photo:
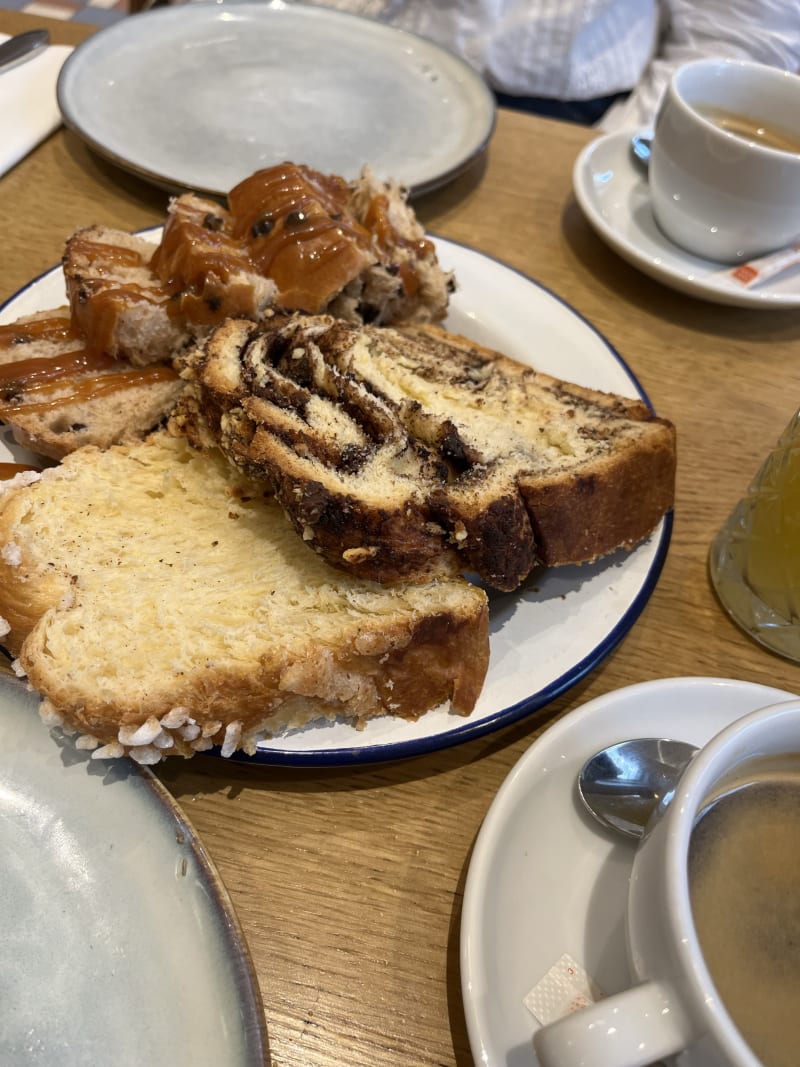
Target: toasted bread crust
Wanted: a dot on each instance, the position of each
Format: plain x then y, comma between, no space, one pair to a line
610,505
402,453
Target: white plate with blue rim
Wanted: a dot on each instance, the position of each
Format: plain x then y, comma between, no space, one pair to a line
563,622
199,96
120,944
546,881
612,191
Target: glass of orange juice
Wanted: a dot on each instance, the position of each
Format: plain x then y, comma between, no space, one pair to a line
755,558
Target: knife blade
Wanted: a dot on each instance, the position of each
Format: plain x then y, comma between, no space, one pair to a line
21,47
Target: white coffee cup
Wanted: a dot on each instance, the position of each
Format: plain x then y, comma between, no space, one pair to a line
675,1007
717,194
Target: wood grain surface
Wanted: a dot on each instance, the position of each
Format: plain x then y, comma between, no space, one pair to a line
348,882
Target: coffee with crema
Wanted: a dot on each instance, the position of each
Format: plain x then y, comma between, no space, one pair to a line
744,882
750,129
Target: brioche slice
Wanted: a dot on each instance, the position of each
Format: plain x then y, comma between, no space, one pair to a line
57,397
162,605
399,453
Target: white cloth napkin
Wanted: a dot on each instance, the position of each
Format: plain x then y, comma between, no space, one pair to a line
28,108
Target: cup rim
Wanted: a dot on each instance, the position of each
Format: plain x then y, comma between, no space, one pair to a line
693,787
773,74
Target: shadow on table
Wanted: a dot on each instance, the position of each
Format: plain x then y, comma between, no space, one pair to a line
455,1001
427,206
436,204
521,1056
210,774
114,177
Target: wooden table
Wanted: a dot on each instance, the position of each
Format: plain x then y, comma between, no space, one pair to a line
348,882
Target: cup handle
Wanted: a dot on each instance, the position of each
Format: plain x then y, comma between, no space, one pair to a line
630,1029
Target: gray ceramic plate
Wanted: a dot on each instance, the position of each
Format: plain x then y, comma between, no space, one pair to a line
201,95
119,943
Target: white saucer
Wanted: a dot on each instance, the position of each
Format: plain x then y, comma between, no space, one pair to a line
612,191
545,880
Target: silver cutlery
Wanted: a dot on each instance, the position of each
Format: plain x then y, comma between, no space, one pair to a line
21,47
641,146
623,785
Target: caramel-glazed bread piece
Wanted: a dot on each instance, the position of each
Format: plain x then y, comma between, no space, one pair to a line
125,307
162,605
57,396
397,454
118,304
206,270
352,249
291,239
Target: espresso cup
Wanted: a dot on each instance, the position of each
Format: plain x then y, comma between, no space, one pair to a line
724,170
673,944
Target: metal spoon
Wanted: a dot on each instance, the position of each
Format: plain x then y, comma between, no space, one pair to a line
22,46
623,785
641,146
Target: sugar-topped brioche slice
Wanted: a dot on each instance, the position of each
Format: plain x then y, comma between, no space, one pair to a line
398,452
162,605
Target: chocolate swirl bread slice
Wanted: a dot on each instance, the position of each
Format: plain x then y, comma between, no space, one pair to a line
162,605
56,396
399,453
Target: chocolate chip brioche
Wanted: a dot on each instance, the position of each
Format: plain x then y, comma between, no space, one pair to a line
162,605
56,396
398,454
